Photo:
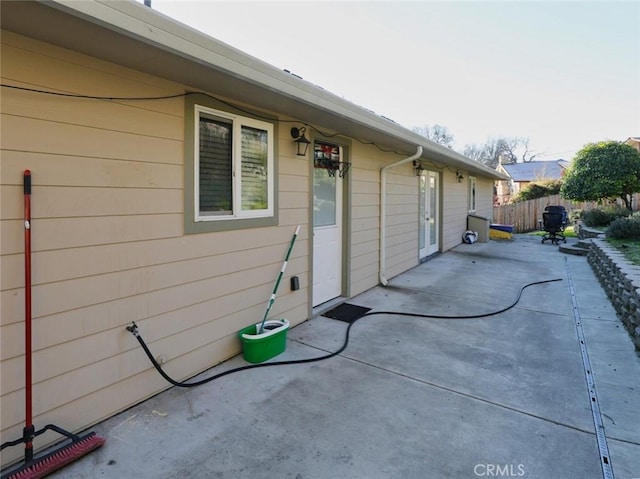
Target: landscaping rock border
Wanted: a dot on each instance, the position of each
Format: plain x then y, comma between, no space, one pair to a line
621,281
584,232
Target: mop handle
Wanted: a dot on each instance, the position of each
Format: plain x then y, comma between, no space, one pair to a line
28,430
272,298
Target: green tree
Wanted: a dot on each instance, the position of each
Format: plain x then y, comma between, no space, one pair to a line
605,170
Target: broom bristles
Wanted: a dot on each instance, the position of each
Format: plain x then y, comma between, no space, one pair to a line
57,459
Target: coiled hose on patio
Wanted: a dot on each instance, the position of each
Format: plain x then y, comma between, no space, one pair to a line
133,329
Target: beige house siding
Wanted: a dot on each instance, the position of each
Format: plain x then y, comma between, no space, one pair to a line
456,202
402,220
454,209
108,243
365,218
484,197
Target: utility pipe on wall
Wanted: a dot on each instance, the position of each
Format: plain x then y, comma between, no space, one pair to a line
383,211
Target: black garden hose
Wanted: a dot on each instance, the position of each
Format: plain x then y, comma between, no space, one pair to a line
133,329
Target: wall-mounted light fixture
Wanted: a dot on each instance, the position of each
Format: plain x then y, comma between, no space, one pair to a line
300,140
459,176
417,165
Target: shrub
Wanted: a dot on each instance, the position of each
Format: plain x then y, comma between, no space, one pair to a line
537,190
603,217
625,228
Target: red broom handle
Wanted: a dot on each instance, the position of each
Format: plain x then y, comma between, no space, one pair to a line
29,429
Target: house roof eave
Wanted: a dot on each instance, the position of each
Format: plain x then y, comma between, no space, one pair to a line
132,35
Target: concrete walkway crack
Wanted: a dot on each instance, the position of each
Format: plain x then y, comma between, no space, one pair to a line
455,391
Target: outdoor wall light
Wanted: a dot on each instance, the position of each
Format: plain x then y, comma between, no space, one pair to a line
300,140
418,167
459,177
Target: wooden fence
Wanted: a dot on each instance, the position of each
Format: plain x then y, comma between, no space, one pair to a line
526,215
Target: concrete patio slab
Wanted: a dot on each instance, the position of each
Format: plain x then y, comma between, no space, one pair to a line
411,397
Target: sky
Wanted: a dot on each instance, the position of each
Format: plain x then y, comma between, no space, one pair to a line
562,74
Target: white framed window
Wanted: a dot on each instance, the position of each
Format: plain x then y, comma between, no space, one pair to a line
233,170
472,194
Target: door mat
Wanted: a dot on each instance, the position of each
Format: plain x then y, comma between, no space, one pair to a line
346,312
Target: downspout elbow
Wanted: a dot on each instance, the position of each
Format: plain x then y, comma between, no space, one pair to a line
383,211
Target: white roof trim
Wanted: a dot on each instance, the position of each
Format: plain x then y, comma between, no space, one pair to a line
162,38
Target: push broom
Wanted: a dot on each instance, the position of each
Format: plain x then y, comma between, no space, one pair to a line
272,298
75,446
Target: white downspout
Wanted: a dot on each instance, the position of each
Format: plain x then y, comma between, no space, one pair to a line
383,211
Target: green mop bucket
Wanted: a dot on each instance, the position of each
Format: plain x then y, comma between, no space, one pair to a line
257,348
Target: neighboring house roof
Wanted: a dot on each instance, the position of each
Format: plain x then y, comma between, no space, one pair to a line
633,141
536,170
135,36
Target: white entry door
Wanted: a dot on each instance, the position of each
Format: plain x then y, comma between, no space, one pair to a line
429,228
327,226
